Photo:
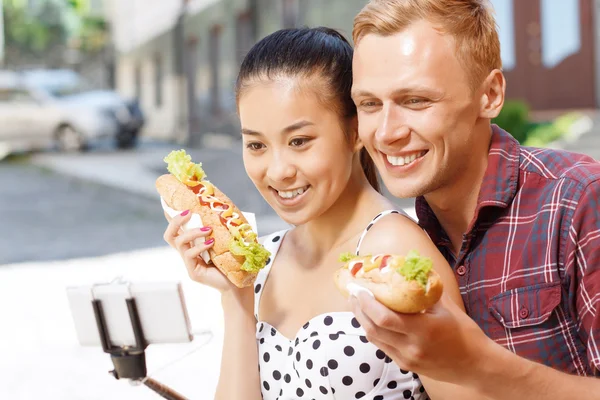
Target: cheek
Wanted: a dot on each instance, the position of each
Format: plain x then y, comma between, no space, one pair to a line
254,168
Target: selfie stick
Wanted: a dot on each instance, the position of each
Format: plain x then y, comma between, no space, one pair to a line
130,362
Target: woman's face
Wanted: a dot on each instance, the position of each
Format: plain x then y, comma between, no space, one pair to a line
295,150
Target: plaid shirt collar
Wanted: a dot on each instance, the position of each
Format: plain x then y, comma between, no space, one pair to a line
498,189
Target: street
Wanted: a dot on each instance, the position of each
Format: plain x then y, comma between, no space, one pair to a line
48,216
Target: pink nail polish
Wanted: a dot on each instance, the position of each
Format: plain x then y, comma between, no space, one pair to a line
209,241
205,228
186,212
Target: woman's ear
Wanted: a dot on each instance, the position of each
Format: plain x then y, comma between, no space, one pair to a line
357,144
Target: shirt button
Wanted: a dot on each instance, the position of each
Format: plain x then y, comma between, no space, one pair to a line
461,270
523,312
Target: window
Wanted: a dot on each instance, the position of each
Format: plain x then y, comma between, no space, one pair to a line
158,81
289,13
214,53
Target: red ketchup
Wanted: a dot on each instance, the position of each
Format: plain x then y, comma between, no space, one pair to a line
355,268
384,262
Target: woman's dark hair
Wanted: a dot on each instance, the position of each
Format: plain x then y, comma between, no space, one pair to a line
304,52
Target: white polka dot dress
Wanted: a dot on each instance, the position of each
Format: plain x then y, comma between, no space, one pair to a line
329,358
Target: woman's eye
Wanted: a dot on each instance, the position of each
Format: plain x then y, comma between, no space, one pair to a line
254,146
297,142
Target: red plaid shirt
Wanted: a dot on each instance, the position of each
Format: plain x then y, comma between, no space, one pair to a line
529,266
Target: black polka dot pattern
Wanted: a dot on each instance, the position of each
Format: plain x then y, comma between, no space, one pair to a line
329,357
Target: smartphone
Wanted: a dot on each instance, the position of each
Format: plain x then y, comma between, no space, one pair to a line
160,305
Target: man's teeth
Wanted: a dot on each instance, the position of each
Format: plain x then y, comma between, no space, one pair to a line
292,193
404,160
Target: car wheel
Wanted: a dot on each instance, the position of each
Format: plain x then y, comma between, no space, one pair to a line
68,139
127,140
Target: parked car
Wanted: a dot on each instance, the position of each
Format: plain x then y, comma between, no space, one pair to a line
69,89
31,119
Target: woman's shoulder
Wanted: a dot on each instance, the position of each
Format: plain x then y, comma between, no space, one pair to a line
396,233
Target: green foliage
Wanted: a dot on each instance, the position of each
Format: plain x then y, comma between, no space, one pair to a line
33,32
545,133
514,118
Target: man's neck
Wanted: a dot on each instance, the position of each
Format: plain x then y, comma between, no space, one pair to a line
454,206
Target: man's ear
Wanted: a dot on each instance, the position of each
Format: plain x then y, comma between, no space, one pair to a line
492,98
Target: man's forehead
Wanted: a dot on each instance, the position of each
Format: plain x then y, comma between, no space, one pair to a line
419,40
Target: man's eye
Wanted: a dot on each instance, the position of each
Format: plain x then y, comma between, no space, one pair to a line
416,101
254,146
297,142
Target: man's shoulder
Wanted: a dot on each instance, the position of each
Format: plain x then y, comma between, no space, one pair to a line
560,165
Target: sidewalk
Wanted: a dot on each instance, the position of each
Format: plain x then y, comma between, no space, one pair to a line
41,358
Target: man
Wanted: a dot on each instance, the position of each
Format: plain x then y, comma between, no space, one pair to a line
520,226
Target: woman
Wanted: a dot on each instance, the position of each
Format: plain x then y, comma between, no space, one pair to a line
302,152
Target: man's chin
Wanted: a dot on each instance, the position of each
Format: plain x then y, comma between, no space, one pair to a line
403,190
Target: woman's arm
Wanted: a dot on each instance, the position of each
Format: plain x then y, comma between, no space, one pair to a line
239,377
396,234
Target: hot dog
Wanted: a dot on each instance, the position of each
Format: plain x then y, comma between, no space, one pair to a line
406,284
236,251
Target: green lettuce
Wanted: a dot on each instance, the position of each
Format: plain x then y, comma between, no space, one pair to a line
256,256
181,166
416,268
345,257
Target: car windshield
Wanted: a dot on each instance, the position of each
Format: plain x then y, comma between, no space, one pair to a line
58,84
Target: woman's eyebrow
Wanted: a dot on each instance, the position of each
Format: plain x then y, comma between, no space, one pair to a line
293,127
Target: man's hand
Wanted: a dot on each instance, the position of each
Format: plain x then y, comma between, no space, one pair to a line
442,343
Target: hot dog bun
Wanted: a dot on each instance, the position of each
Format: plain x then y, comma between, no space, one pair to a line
236,252
419,288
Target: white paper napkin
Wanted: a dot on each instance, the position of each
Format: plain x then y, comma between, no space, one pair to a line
195,222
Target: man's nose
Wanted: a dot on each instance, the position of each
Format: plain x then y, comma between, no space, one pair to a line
392,126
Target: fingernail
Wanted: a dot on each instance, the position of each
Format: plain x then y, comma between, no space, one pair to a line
355,289
186,212
205,228
209,241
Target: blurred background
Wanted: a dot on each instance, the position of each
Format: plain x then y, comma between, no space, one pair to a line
93,95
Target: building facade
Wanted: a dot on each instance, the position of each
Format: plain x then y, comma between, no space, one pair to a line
180,58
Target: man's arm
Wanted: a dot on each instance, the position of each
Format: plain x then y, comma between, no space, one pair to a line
582,266
444,344
508,376
519,377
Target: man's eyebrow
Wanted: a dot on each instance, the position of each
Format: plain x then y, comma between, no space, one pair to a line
411,89
361,93
285,131
430,91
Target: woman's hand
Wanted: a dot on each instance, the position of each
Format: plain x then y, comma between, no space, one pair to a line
190,244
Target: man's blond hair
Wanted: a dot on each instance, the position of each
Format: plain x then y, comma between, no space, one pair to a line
470,22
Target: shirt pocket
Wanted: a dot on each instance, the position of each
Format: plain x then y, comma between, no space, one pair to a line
526,306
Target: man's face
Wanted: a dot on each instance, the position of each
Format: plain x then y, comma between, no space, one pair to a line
416,109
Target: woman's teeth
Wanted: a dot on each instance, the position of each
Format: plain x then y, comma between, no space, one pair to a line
399,161
289,194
